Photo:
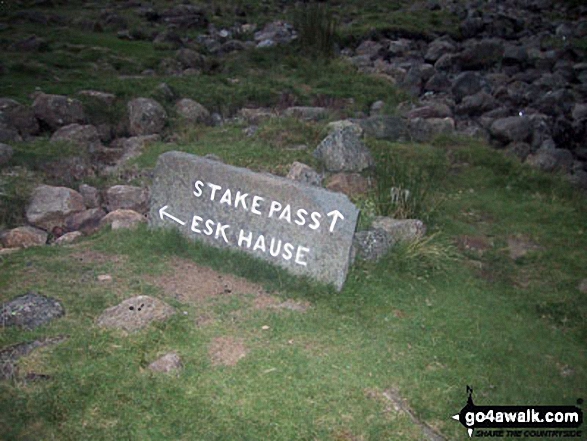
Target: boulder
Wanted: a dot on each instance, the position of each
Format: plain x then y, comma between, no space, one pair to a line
190,59
191,111
343,150
306,113
439,82
21,117
104,98
122,219
58,110
391,128
23,237
135,313
127,197
431,110
6,153
437,48
84,136
467,83
30,311
351,184
91,195
423,130
371,244
344,124
400,230
551,160
146,116
304,173
512,129
67,238
49,206
477,104
481,54
8,133
168,363
87,221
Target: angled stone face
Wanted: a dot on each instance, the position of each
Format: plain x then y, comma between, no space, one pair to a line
304,229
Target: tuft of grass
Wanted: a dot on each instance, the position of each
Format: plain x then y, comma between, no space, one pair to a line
404,190
316,28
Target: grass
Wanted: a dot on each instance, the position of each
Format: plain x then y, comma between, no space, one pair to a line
427,320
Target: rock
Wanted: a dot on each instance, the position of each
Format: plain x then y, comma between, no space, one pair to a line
185,16
91,196
168,363
515,55
579,112
30,311
49,206
477,104
304,173
21,117
256,115
122,219
68,170
83,136
376,108
432,110
165,93
519,246
68,238
471,27
128,148
371,244
344,124
400,230
351,184
87,221
135,313
437,48
105,98
467,83
423,130
549,160
192,112
307,113
438,83
343,150
10,355
8,133
583,286
578,179
6,153
23,237
58,110
511,129
146,116
127,197
391,128
519,150
190,59
277,32
481,54
369,48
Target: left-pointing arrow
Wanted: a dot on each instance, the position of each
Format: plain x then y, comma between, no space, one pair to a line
162,213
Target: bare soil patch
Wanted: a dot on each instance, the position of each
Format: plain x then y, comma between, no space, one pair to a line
226,351
190,282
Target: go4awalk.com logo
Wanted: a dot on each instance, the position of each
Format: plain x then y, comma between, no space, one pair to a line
520,421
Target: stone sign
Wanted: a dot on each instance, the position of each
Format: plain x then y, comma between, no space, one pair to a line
304,229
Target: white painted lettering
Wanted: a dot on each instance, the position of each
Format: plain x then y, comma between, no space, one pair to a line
209,227
301,217
260,243
300,255
214,188
256,204
275,206
195,221
247,239
274,251
198,188
220,230
286,214
316,218
335,216
227,197
241,199
287,251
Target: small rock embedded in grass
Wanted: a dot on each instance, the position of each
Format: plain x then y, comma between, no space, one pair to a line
135,313
30,311
168,363
104,278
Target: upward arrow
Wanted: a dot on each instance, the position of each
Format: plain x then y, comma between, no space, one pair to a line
162,213
335,216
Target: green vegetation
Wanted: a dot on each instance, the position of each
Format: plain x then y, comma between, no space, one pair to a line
428,319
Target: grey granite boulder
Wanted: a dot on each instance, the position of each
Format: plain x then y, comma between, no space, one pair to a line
30,311
305,174
343,150
49,206
192,112
135,313
146,116
58,110
127,197
391,128
23,237
512,129
85,136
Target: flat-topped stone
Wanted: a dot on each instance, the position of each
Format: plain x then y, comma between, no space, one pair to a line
304,229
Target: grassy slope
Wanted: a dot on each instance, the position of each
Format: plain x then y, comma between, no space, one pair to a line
417,321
